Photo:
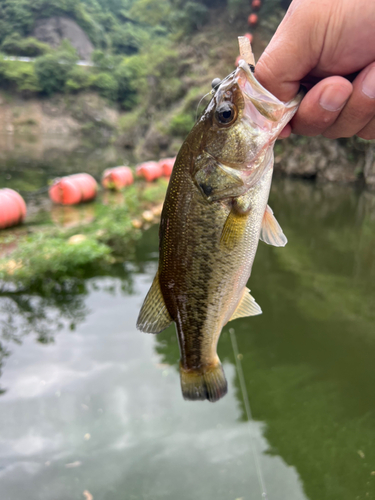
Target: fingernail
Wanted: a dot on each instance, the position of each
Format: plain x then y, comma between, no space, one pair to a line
368,85
333,98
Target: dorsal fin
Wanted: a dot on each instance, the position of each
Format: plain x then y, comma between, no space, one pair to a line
154,316
246,307
271,232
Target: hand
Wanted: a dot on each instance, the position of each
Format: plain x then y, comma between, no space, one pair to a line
317,44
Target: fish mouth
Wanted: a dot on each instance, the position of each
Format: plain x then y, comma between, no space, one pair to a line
266,103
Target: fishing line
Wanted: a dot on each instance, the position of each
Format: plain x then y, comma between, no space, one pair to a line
199,103
215,87
246,401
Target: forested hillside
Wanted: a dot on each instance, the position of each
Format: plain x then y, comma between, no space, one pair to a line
153,59
133,39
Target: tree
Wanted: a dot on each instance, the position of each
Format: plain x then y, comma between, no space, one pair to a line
52,70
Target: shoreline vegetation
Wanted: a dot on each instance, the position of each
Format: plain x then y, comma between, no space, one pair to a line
75,240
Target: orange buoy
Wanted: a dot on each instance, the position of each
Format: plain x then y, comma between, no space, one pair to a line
117,178
150,170
249,36
12,208
166,164
256,4
252,19
73,189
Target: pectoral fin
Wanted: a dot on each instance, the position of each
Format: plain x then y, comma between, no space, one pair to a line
233,230
271,232
246,307
154,316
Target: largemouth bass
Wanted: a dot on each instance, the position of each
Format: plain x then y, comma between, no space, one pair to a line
214,214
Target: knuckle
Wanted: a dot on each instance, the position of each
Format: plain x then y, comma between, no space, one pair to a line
329,134
368,135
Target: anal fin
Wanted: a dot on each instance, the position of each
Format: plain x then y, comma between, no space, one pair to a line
154,316
271,232
246,307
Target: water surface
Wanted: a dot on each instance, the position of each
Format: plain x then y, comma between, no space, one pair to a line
88,403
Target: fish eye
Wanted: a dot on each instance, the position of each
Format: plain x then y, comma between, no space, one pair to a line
226,113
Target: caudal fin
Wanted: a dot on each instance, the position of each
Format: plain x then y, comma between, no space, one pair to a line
208,384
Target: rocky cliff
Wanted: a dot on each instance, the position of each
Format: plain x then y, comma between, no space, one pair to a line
55,29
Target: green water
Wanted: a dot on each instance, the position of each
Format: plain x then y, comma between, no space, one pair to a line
89,404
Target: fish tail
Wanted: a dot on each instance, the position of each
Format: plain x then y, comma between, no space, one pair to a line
209,383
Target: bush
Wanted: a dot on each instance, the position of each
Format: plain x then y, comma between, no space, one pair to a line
128,76
79,79
104,61
150,12
53,70
27,47
192,17
127,39
106,85
16,17
181,125
20,75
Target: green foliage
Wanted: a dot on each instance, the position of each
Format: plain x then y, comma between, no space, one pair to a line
54,257
48,256
119,79
19,75
106,85
20,15
15,16
129,75
129,121
53,72
129,65
181,124
150,12
15,45
78,79
190,18
237,8
127,39
104,61
160,79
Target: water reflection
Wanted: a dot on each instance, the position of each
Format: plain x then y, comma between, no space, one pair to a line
28,163
100,408
46,312
309,359
72,216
